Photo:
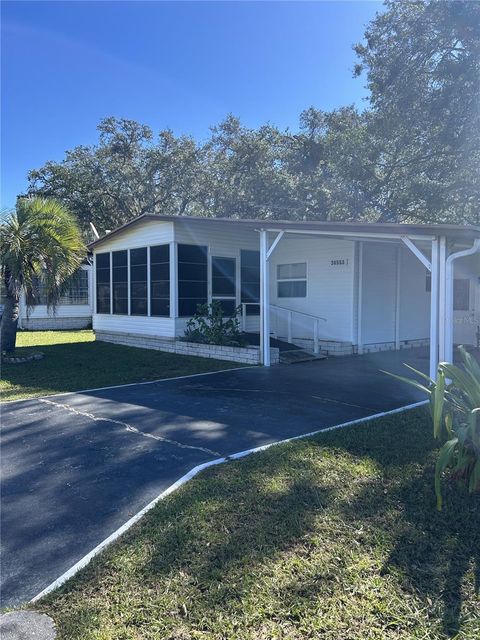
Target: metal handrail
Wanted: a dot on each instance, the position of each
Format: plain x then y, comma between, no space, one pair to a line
301,313
289,312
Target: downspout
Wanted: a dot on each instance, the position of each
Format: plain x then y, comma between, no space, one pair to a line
475,248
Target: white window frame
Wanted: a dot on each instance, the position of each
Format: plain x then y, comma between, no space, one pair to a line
213,296
291,279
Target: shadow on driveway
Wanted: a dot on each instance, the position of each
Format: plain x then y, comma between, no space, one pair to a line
77,466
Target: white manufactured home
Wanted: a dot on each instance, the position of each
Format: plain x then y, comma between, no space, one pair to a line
73,311
339,288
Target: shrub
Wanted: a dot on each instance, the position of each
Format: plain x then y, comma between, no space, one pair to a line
209,326
455,408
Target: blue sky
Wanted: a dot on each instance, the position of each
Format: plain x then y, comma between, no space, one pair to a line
180,65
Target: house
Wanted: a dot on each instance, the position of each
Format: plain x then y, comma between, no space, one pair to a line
74,309
339,287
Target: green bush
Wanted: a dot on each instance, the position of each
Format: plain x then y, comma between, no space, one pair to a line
209,326
455,408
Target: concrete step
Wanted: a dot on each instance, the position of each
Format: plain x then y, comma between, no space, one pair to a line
300,355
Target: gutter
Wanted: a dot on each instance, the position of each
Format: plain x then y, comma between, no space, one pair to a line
475,248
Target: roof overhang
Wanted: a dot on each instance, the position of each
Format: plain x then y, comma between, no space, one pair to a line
348,230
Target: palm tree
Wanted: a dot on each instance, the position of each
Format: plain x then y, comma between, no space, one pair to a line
40,242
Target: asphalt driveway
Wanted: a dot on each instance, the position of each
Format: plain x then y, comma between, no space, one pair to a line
77,466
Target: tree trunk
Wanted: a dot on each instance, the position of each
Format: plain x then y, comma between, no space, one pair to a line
10,315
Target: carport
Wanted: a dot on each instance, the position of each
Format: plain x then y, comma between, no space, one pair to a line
437,247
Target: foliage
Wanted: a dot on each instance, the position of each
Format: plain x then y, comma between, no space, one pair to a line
455,408
72,363
126,174
39,242
422,59
412,155
209,326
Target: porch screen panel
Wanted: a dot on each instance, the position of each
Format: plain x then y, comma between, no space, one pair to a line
160,280
138,282
250,280
223,283
192,278
102,273
120,282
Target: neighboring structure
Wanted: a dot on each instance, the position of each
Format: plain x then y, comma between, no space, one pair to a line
336,287
74,310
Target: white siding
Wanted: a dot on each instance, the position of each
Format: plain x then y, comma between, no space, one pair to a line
379,295
65,316
329,286
222,241
143,235
147,234
414,298
466,322
138,325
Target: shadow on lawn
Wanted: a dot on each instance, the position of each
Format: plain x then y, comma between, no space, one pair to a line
430,554
433,552
223,533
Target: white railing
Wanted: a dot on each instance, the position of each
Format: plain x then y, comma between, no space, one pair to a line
277,312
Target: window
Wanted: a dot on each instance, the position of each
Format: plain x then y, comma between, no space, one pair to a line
138,282
103,282
192,278
160,280
76,291
250,280
461,294
223,283
292,280
120,282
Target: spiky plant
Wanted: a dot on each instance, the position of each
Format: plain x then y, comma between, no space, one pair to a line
40,242
455,408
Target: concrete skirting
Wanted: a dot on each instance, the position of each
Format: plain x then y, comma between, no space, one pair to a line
245,355
55,323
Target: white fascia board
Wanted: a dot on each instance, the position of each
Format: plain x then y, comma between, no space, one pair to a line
349,234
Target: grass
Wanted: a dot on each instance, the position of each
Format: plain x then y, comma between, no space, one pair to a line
335,537
74,361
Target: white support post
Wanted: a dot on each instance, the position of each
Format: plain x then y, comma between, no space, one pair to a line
173,280
244,317
149,284
264,299
397,297
416,251
442,288
316,335
360,299
289,326
111,282
434,311
129,290
274,244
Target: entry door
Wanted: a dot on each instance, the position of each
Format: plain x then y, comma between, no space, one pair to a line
465,310
224,283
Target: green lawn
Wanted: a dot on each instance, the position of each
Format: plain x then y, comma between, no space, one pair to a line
336,538
74,361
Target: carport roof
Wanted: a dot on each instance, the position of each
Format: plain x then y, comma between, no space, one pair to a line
452,231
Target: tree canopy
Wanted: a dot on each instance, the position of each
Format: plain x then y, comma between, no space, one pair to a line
412,155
